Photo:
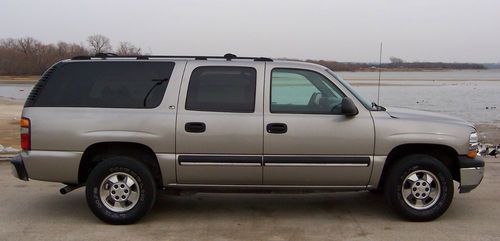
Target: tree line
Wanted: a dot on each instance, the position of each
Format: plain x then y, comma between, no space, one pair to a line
29,56
395,64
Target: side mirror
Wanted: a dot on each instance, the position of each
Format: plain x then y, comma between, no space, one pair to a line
348,107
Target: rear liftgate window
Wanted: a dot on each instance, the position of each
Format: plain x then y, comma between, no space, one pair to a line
104,85
222,89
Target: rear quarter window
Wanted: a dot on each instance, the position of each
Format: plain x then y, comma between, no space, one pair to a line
104,85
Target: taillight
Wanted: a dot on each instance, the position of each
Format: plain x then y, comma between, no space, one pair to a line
25,134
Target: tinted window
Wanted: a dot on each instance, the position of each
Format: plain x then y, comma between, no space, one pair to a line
105,84
222,89
303,91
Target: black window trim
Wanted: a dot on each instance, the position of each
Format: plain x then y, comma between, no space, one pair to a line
298,112
223,66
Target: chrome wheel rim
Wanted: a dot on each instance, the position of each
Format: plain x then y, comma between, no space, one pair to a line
119,192
421,189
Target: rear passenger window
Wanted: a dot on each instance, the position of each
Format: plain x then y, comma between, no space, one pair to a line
222,89
104,84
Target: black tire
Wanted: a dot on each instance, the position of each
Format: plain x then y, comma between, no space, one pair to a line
396,179
377,191
146,189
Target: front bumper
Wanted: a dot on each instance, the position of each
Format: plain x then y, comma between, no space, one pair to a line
18,169
471,172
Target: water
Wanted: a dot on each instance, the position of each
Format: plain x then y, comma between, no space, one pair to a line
471,94
476,101
15,91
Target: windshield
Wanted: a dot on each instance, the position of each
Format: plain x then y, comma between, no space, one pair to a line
367,103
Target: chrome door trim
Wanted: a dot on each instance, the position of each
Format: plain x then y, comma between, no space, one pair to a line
317,161
273,160
218,164
219,160
315,165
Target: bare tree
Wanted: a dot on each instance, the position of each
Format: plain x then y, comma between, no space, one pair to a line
29,56
395,60
99,43
29,45
8,43
70,49
126,48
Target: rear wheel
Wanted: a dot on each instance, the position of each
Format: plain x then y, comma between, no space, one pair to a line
120,190
419,187
377,191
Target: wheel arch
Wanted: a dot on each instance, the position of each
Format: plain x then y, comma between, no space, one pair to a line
94,154
446,154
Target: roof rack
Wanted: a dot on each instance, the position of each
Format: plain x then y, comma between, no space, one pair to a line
227,57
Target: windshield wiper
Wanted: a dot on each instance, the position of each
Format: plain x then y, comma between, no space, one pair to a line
378,107
158,83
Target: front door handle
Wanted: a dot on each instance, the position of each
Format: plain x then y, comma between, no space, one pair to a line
195,127
276,128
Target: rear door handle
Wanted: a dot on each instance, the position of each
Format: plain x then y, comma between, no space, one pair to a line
195,127
276,128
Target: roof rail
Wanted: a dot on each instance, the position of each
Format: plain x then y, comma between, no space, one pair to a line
227,57
104,55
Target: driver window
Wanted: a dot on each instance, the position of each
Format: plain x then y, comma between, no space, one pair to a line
303,92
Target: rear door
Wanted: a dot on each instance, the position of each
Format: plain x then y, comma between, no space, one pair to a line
219,123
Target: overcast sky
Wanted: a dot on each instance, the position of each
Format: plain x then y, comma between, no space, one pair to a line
418,30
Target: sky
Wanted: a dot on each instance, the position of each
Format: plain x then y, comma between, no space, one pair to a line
351,30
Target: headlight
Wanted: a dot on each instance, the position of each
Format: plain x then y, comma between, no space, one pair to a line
473,138
473,145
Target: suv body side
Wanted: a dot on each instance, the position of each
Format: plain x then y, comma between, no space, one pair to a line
126,127
325,144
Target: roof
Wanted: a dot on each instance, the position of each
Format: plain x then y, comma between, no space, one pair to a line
227,57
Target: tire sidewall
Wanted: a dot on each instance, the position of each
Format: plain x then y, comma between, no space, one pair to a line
408,165
136,169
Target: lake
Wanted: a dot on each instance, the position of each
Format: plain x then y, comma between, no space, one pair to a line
471,94
15,91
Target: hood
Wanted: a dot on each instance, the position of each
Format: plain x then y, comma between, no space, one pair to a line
403,113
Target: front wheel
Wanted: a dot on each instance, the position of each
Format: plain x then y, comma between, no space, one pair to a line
120,190
419,187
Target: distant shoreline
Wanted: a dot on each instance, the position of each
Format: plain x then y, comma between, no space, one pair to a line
409,70
18,79
415,79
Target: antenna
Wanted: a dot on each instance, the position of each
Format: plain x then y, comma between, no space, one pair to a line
379,73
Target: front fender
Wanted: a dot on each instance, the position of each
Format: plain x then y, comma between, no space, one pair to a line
392,132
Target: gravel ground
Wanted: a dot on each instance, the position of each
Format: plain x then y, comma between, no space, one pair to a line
36,211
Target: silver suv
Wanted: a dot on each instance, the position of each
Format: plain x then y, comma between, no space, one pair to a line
126,127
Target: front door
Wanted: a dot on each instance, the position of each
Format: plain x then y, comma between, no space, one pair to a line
219,123
307,141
